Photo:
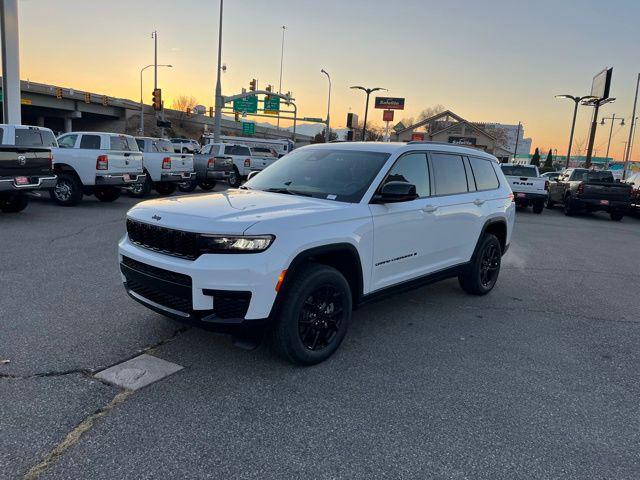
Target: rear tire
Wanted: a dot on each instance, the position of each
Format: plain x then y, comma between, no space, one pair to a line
141,190
616,216
538,207
234,179
207,185
482,274
185,150
314,317
107,194
14,203
68,190
165,188
188,187
550,203
569,209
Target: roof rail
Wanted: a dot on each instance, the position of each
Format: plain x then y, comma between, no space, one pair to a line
417,142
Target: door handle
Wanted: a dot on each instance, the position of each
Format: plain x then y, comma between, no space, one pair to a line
429,208
478,202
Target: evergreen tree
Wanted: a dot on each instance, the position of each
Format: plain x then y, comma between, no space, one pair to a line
535,160
548,163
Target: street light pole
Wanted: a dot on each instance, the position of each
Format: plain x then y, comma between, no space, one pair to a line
284,27
141,129
218,114
613,121
368,91
515,151
328,133
577,101
629,142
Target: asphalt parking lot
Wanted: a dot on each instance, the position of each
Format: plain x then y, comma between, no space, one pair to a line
539,379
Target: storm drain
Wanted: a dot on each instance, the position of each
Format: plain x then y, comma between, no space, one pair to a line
138,372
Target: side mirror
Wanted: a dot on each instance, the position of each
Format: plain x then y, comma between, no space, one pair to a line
393,192
252,174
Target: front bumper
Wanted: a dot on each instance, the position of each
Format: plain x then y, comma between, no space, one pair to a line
120,179
177,177
36,183
195,291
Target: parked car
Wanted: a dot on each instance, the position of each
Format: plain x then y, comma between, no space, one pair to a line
580,189
634,181
529,188
551,176
95,163
324,229
26,164
164,168
185,145
211,167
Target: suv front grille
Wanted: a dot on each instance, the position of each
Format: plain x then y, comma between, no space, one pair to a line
160,297
161,273
164,240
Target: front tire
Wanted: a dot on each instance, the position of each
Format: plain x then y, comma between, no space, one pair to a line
482,274
14,203
165,188
234,179
314,316
207,185
107,194
68,190
188,187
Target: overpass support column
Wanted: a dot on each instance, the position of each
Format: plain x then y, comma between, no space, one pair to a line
41,121
10,61
68,125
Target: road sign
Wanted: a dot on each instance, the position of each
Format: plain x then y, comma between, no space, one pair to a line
248,128
26,101
417,137
272,105
313,119
387,116
399,126
352,120
390,103
246,104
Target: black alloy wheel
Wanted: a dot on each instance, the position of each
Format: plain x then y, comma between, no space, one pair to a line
320,318
490,265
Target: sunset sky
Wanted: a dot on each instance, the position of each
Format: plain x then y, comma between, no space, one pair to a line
490,60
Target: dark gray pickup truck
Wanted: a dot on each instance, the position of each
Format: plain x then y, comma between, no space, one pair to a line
22,170
580,189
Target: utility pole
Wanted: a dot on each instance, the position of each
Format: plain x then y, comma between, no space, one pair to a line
633,116
284,27
577,101
515,151
218,105
11,106
368,91
328,133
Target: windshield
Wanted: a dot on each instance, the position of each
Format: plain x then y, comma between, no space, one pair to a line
342,175
518,171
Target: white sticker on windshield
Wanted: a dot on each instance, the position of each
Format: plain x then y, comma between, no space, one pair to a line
331,197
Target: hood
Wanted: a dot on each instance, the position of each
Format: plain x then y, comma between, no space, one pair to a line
229,212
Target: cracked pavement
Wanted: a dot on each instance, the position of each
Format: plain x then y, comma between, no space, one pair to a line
539,379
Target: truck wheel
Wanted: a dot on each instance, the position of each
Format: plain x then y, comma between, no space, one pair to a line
314,316
141,190
207,185
616,216
482,274
107,194
550,203
14,203
234,178
569,209
538,207
165,188
187,187
68,190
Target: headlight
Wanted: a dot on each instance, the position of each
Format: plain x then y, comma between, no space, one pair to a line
235,243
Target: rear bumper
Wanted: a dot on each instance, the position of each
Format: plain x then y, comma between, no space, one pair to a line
119,180
529,198
218,174
594,204
177,177
37,183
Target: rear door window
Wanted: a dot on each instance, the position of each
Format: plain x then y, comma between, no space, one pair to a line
140,143
484,174
448,174
90,142
67,141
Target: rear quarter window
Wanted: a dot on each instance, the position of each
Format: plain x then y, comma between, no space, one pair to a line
90,142
448,174
484,174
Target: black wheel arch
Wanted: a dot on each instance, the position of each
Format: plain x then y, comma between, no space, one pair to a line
497,227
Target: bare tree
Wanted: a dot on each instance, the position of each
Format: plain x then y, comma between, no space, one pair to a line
579,146
426,113
181,104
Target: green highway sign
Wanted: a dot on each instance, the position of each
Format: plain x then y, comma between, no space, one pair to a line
246,104
271,105
248,128
399,126
312,119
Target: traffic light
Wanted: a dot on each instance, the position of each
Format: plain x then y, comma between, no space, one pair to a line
157,99
269,88
87,97
253,85
105,100
58,92
211,111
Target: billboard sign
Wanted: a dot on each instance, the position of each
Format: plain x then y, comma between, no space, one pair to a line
602,84
417,136
387,116
390,103
352,120
463,140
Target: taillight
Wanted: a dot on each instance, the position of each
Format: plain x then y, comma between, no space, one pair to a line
512,197
247,162
581,188
211,163
546,184
102,162
166,163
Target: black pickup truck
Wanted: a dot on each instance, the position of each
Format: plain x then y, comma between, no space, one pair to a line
22,170
580,189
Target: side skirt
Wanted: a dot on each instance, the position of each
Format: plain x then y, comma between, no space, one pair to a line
407,285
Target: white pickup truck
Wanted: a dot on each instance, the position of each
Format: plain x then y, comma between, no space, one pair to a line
243,157
528,187
95,163
164,168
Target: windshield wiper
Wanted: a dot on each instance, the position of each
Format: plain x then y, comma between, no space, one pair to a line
287,191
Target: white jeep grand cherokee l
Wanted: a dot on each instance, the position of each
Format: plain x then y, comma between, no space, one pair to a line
317,233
